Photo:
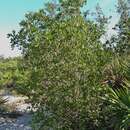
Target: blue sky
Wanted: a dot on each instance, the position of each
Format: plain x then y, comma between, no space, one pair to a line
13,11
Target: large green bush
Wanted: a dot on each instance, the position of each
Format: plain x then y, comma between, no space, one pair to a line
65,59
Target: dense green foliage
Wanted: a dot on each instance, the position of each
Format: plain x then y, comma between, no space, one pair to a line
66,59
8,68
12,74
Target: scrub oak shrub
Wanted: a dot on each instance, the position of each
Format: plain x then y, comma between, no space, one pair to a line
65,58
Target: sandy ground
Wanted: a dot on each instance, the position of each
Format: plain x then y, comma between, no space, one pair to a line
21,122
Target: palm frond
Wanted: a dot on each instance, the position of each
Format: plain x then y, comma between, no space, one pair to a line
3,100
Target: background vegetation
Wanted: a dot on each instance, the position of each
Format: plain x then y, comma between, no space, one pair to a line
73,80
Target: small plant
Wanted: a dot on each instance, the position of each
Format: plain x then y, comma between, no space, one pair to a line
120,100
3,100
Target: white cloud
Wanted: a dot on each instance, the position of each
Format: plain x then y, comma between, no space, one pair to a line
109,29
5,46
113,22
105,3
